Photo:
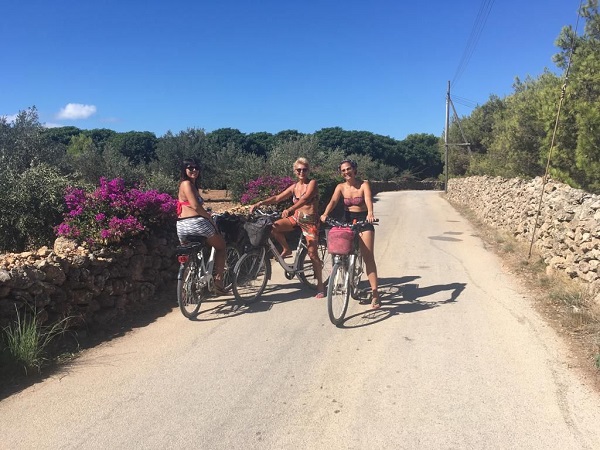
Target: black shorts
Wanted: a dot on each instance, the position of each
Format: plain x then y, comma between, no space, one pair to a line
362,215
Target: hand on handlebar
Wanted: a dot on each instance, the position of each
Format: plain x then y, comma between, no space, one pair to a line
253,207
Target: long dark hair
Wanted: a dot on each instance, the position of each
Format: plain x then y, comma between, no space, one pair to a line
183,174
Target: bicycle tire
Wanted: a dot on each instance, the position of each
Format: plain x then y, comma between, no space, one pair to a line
232,256
357,271
338,293
307,276
250,277
189,291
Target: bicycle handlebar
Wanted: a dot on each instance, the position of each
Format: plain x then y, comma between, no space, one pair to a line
352,225
260,213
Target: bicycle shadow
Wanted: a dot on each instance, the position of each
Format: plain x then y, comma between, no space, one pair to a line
399,296
273,296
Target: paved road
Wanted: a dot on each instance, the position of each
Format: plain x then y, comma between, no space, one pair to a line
455,359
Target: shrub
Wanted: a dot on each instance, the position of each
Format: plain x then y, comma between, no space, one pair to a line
114,213
30,205
264,187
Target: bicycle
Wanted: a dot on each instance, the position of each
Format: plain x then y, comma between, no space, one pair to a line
195,281
253,270
347,270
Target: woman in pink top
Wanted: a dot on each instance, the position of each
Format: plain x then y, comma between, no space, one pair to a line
194,221
358,205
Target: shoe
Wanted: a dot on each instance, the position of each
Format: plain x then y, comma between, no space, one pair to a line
286,254
320,295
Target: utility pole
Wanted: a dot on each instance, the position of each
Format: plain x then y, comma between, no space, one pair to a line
446,138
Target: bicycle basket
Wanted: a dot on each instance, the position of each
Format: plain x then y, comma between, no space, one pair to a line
258,231
339,241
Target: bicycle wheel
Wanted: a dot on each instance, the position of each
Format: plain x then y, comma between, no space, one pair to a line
189,291
338,293
250,277
307,276
357,271
231,258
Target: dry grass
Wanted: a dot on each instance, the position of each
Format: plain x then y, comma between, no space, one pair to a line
565,304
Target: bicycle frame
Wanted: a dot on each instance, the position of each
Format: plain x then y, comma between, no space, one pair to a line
293,268
205,268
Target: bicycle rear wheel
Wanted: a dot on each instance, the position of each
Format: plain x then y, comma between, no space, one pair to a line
189,291
250,277
231,258
307,276
338,293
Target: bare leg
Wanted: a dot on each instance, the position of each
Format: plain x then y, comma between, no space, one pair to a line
367,245
317,264
281,227
218,243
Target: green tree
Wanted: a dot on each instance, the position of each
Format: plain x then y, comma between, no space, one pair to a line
137,146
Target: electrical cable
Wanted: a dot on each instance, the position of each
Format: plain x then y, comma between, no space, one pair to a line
560,103
476,31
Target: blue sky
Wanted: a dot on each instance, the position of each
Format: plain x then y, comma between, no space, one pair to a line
272,65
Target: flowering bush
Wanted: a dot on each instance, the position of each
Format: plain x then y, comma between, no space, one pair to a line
113,213
264,187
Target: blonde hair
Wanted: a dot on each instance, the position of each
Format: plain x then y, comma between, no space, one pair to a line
302,161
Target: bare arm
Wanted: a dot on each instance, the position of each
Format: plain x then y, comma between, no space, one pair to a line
274,199
335,198
368,200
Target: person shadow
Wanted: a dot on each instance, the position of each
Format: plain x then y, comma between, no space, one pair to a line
401,296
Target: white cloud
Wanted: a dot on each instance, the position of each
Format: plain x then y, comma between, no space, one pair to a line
76,111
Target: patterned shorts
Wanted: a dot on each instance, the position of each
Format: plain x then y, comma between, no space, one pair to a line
307,223
189,228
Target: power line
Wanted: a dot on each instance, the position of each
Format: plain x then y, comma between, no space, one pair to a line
465,102
478,26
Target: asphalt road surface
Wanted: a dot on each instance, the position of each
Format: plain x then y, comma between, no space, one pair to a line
456,358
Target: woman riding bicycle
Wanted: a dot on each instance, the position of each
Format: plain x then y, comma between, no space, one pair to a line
194,221
303,214
358,205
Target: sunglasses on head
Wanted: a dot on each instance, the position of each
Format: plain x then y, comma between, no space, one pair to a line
192,167
304,169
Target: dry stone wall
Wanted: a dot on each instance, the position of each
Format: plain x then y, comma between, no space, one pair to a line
568,233
92,288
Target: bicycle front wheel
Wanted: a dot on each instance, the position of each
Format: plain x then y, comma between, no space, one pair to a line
231,258
250,277
357,270
338,293
189,291
307,274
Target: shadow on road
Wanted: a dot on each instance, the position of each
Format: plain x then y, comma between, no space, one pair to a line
400,296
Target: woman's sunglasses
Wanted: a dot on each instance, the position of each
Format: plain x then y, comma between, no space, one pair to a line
192,168
301,170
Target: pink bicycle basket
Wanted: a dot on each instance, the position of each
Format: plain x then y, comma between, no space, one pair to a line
339,241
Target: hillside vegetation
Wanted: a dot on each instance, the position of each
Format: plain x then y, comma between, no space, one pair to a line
512,136
38,164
